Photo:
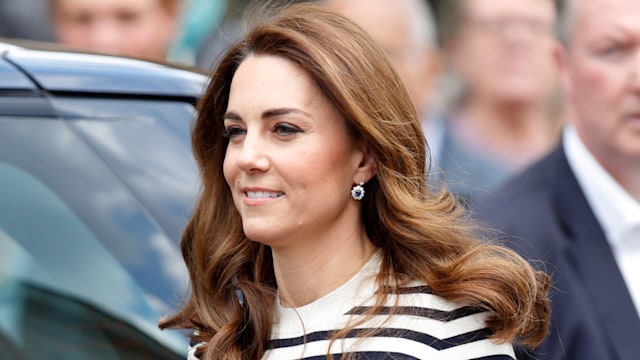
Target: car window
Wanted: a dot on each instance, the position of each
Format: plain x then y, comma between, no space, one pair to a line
92,205
147,143
61,293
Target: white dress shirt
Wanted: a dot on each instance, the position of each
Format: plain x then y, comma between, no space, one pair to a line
616,210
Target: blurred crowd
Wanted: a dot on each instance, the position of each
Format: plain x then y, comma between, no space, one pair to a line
485,77
481,74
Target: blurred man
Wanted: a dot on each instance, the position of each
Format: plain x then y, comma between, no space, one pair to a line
505,107
578,210
405,29
138,28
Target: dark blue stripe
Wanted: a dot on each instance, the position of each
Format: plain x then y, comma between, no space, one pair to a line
423,338
462,339
494,357
434,314
367,355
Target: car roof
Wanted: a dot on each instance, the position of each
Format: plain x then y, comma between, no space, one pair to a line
55,69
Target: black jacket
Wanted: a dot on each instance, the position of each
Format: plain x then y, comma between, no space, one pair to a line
549,221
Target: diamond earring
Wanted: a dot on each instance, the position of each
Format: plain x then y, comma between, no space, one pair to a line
357,192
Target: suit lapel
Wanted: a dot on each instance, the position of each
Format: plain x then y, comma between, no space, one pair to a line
594,261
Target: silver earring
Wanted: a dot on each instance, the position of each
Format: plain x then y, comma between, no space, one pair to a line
357,192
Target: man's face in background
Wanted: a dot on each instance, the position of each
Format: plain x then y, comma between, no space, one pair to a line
136,28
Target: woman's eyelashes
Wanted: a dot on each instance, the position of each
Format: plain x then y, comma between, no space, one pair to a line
280,129
233,131
285,129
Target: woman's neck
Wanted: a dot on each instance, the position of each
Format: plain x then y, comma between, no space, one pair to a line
307,273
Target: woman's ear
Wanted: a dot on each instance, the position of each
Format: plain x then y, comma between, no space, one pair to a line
367,167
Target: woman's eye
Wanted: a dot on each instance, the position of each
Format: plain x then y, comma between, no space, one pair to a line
233,131
286,129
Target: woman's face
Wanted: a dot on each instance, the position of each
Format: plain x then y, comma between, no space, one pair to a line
290,162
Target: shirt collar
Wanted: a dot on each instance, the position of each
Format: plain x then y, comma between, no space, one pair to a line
616,210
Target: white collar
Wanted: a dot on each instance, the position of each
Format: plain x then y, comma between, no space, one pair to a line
616,210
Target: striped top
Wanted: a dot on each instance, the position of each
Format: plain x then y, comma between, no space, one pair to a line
423,326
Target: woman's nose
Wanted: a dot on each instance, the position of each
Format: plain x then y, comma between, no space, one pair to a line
253,155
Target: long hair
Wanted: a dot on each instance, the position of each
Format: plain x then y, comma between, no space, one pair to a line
422,235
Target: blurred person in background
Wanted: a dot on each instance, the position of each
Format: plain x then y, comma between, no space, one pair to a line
407,31
144,29
578,210
500,95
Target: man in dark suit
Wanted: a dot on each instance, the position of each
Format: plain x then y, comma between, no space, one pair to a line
577,212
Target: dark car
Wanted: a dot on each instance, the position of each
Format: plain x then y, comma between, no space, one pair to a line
97,181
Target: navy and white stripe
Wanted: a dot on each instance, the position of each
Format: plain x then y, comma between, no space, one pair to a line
413,324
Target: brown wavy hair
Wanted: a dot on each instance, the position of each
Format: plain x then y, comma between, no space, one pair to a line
422,234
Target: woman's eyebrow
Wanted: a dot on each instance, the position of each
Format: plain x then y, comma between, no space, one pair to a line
283,111
230,115
267,114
